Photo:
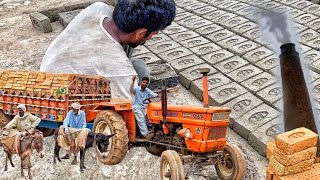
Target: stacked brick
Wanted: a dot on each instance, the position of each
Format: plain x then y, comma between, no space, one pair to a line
292,156
47,85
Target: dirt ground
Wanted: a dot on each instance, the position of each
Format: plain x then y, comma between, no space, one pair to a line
22,47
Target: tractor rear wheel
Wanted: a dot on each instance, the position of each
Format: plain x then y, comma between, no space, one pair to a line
4,119
109,122
232,166
171,167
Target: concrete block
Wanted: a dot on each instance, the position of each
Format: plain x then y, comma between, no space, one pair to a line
225,93
174,29
258,54
220,35
255,16
235,22
225,4
214,80
296,12
312,56
246,11
253,119
173,54
223,18
182,15
289,2
236,7
282,170
300,28
315,43
66,17
179,10
312,174
244,73
281,9
157,38
197,41
271,93
76,5
308,35
217,2
313,9
303,49
241,105
149,58
252,34
217,56
186,3
315,24
185,62
187,22
258,82
315,76
201,23
296,140
278,104
204,10
160,72
265,133
305,18
193,73
205,30
268,63
316,89
258,2
270,5
184,36
242,48
288,160
140,50
316,1
196,5
245,27
301,4
214,14
270,148
205,49
52,13
231,41
163,46
40,22
231,64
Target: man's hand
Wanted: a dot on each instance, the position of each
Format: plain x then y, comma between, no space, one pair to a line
134,78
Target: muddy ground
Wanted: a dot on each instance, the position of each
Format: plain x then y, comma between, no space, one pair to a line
22,47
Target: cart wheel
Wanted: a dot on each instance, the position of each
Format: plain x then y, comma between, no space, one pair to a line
171,167
232,166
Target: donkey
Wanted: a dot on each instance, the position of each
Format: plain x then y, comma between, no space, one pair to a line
101,140
33,140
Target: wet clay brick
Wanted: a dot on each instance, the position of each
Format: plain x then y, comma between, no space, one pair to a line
270,148
296,140
270,173
282,170
288,160
311,174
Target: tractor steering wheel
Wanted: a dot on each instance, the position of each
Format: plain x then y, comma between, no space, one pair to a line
148,100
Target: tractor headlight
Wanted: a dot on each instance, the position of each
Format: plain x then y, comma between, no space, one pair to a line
187,133
220,116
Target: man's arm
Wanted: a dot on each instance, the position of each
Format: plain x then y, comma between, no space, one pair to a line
83,118
66,121
35,121
132,90
12,124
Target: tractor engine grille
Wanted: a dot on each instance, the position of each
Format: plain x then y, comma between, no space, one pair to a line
217,133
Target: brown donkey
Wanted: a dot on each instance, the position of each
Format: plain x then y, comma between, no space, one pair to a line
33,140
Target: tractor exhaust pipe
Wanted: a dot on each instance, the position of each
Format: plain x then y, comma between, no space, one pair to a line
204,72
297,109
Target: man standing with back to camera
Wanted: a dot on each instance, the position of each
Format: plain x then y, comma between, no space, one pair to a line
93,42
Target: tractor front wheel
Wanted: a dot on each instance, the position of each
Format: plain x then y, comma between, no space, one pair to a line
109,122
232,166
4,119
171,167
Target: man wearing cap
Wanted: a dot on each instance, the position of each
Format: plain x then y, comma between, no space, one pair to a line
76,118
20,123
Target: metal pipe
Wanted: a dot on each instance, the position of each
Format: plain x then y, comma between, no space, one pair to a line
164,101
297,109
204,72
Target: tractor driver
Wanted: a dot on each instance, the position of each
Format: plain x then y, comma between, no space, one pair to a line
141,93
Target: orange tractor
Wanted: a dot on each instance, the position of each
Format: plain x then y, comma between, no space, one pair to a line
181,134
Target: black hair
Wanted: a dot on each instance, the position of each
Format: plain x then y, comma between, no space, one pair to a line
153,15
145,78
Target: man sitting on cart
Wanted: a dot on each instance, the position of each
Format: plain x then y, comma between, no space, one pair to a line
19,124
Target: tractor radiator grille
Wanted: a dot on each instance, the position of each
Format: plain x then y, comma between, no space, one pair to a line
217,133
